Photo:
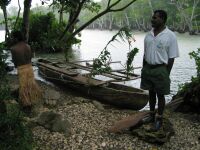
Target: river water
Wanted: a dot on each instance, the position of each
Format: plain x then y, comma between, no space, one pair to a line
93,41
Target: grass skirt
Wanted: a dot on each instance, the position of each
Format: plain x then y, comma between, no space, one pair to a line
29,91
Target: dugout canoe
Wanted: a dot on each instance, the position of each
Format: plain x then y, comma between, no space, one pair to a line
104,91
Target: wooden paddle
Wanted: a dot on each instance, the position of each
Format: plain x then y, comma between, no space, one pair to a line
128,122
134,120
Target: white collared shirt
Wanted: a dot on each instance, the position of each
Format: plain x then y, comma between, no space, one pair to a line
158,49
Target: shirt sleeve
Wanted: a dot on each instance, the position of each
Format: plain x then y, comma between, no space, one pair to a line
173,50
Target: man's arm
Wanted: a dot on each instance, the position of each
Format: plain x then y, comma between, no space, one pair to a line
144,62
173,52
170,64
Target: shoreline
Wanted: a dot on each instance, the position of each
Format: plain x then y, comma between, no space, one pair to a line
89,124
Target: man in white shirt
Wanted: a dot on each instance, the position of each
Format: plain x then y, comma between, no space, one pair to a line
160,49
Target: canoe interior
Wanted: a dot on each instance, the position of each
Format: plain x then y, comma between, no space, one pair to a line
116,74
113,93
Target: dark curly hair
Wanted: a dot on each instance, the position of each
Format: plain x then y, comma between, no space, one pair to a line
17,35
162,14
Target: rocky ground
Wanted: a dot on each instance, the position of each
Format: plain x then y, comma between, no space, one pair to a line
89,121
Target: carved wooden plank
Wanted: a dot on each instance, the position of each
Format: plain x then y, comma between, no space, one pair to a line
64,71
128,122
89,69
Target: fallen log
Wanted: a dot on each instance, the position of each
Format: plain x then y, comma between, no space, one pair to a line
128,122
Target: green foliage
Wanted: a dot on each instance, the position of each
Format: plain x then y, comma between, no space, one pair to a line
93,7
40,34
194,80
196,57
12,23
101,64
4,88
130,58
43,31
14,134
69,5
125,34
2,61
4,2
186,87
181,14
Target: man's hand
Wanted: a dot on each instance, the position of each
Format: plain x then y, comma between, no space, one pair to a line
170,64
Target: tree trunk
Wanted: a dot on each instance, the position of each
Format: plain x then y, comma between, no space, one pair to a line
150,5
195,4
143,24
6,23
110,21
120,23
100,23
61,14
101,20
16,21
25,22
111,7
187,17
70,31
137,24
197,27
127,20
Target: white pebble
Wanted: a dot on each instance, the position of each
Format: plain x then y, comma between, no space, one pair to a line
103,144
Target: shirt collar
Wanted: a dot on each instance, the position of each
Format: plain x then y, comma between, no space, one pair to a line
164,31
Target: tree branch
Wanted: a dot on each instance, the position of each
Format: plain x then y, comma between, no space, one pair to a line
75,16
107,10
122,8
108,3
17,15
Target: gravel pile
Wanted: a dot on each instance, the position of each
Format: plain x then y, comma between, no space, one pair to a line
90,124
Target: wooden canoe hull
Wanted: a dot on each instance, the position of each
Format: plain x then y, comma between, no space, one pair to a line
115,94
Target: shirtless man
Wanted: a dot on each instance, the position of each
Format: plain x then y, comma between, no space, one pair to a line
21,52
29,91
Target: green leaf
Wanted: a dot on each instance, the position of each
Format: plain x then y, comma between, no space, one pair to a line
101,64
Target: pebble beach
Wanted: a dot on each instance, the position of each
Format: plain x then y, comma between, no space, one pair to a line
90,121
